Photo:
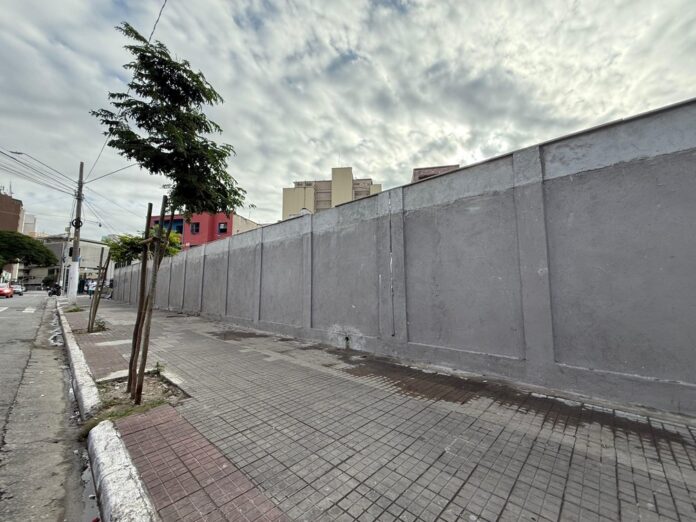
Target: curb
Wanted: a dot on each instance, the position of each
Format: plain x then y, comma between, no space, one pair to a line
122,496
121,493
83,383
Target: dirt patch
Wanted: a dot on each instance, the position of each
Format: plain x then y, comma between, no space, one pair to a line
116,402
236,335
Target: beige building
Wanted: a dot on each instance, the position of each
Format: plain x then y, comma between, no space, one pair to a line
315,196
61,246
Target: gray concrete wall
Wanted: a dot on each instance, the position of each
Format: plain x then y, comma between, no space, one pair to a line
193,281
569,265
215,278
163,282
243,276
344,264
282,278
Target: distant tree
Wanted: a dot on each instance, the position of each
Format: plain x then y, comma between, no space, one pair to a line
49,280
16,247
126,248
160,124
173,245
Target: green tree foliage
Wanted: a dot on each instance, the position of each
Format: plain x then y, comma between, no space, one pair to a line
174,243
15,246
126,248
160,124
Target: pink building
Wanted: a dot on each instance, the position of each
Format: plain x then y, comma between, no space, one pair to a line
204,228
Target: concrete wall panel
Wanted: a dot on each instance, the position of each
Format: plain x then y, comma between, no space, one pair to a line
194,278
176,282
242,283
622,246
215,278
345,283
162,294
462,276
282,279
134,284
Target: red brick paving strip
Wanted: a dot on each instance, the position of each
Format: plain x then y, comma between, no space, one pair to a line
102,360
186,476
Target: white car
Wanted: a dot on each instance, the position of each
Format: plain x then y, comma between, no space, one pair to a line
18,289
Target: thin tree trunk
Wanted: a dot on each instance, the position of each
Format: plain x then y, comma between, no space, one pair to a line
100,288
137,329
149,303
92,311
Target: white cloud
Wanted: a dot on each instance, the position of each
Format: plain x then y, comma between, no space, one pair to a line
385,86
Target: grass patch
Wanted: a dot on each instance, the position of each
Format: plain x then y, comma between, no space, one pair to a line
74,309
114,410
116,402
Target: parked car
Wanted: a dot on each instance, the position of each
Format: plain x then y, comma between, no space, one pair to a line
18,289
6,290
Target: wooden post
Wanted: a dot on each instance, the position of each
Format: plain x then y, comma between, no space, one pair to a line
137,329
100,288
92,309
149,303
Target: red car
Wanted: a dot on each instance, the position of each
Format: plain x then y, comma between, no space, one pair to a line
6,290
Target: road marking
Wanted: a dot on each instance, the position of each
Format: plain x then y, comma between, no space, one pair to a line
114,343
29,310
3,308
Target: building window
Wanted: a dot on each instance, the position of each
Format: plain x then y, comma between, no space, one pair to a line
222,228
195,228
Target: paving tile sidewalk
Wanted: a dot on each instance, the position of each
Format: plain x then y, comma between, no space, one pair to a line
328,435
187,476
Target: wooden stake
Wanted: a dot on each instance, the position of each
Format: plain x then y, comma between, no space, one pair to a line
92,308
137,329
149,303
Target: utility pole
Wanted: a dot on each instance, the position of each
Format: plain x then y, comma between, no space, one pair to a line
74,276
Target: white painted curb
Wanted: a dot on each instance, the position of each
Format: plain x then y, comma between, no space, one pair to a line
116,480
83,383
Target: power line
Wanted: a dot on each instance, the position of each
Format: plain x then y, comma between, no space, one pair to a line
32,179
109,134
112,202
42,163
100,217
112,172
27,176
157,21
44,176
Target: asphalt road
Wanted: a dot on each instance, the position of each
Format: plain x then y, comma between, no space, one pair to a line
20,318
40,456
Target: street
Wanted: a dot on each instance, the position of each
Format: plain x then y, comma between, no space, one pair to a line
20,318
40,462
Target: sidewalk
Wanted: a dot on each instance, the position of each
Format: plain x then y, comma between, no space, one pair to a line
276,429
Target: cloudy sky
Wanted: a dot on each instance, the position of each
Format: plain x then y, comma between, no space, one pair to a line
381,85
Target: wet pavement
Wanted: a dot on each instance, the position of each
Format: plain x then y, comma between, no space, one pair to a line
329,434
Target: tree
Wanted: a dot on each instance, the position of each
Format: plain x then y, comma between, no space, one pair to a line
126,248
160,124
16,247
163,128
